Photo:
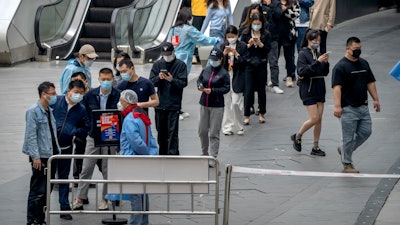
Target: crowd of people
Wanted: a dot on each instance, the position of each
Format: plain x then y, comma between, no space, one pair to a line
236,70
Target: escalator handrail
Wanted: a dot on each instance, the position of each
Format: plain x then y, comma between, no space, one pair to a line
132,28
113,21
37,20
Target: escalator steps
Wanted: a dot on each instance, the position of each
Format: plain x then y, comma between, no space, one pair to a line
96,30
101,15
111,3
100,44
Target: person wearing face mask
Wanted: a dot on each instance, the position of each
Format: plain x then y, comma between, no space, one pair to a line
312,68
103,97
87,55
40,143
213,83
235,53
169,75
352,80
258,45
70,115
118,58
143,87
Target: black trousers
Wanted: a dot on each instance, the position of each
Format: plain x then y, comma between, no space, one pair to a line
324,37
255,78
167,125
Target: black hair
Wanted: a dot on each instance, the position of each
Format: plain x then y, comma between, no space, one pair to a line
123,55
127,62
351,40
79,74
309,35
184,15
76,83
106,71
44,87
231,30
256,16
247,22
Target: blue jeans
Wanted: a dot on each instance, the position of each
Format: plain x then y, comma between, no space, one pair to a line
300,34
137,205
356,128
218,34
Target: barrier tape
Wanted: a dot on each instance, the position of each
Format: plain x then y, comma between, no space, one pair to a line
238,169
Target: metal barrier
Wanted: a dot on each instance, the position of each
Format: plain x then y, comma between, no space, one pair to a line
167,175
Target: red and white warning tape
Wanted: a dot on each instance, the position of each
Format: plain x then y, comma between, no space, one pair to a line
238,169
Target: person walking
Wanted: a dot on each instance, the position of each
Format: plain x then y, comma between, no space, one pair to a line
312,68
219,16
213,83
322,17
170,77
40,143
235,53
352,80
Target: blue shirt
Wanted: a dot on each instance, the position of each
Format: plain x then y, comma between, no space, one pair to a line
37,141
217,18
103,99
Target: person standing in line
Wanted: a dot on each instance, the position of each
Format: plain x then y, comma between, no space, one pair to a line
118,58
303,22
136,139
258,45
352,80
143,87
219,16
87,55
71,122
102,97
213,83
170,77
235,53
40,143
312,68
322,17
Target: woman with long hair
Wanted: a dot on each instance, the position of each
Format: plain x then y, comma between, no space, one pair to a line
312,67
219,16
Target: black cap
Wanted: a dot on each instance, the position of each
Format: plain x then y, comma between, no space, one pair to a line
167,48
215,54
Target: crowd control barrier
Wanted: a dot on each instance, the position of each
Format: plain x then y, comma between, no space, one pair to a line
164,175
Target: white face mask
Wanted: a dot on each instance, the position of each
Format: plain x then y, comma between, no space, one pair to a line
89,63
119,106
169,58
231,40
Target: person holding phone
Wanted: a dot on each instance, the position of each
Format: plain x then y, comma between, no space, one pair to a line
169,75
312,68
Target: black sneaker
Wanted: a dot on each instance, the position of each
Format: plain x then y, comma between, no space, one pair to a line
66,216
296,143
85,201
317,151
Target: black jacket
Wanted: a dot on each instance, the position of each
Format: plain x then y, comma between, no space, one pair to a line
169,93
239,66
91,101
311,73
216,78
261,54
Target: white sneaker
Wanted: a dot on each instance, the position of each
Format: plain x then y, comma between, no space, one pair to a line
77,205
269,84
185,114
289,82
277,90
181,117
240,132
103,205
228,133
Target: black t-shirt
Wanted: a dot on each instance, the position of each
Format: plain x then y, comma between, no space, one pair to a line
354,78
143,87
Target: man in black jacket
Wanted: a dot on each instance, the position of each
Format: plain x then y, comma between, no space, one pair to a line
169,75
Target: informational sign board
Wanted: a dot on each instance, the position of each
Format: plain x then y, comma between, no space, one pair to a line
107,127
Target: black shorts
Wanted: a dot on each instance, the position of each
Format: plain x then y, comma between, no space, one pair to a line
313,101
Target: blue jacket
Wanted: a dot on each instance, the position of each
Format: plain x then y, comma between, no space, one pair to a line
217,18
73,66
305,10
71,122
91,101
189,37
37,142
133,138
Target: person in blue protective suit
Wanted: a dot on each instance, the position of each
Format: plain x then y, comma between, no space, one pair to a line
185,37
86,57
136,139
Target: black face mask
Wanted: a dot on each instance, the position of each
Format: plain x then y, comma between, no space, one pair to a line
356,53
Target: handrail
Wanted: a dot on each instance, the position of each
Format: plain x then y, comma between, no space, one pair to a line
36,25
114,16
132,27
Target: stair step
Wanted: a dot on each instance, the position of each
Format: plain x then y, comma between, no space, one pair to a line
111,3
99,44
102,15
96,30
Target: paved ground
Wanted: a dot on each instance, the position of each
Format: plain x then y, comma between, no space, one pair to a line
255,199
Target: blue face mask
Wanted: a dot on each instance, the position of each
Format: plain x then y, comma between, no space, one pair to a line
106,85
76,97
214,63
125,76
53,100
255,27
117,67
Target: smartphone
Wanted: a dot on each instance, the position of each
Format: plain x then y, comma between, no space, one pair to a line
328,52
228,47
164,71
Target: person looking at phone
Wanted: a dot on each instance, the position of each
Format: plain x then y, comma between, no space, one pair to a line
169,75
